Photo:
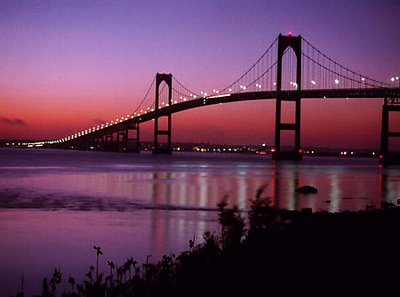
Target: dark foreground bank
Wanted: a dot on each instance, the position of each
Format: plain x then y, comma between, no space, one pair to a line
277,253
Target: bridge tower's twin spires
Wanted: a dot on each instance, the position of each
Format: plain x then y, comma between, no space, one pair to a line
284,42
159,148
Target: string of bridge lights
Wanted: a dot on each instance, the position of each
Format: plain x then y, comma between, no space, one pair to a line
137,113
254,78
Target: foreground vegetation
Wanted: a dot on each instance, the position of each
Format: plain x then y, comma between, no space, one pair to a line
277,253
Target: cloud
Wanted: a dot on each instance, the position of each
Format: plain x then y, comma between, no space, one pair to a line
12,122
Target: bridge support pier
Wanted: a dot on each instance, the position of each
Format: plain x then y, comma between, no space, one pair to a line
387,157
280,126
120,141
109,144
162,148
99,143
285,42
132,144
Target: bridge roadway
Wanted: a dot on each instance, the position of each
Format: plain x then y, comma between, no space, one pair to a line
236,97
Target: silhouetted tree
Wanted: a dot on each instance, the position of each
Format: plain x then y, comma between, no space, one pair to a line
71,281
261,214
232,224
55,280
98,253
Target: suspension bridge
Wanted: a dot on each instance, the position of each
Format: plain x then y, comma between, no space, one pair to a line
291,69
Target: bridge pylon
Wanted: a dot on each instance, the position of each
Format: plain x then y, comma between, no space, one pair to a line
109,143
162,148
387,157
285,42
132,142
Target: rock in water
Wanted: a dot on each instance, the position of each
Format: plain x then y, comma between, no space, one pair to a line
307,190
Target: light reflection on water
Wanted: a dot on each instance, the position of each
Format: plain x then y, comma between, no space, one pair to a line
55,205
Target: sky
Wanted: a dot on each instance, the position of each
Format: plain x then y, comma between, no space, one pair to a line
68,65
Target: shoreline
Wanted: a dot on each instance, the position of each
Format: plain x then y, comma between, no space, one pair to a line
233,265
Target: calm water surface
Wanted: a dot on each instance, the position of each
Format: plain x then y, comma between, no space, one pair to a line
55,205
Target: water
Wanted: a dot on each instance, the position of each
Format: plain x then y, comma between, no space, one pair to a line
55,205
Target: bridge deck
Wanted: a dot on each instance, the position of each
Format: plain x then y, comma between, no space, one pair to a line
244,96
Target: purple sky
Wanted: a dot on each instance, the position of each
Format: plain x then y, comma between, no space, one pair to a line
67,64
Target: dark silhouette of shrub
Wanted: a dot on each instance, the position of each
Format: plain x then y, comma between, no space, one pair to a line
232,225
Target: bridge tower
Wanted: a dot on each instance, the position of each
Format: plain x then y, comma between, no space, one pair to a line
386,156
285,42
160,148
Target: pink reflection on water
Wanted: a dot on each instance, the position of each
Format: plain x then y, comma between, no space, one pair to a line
148,205
33,243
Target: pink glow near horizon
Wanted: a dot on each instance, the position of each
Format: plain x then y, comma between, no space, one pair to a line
68,66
